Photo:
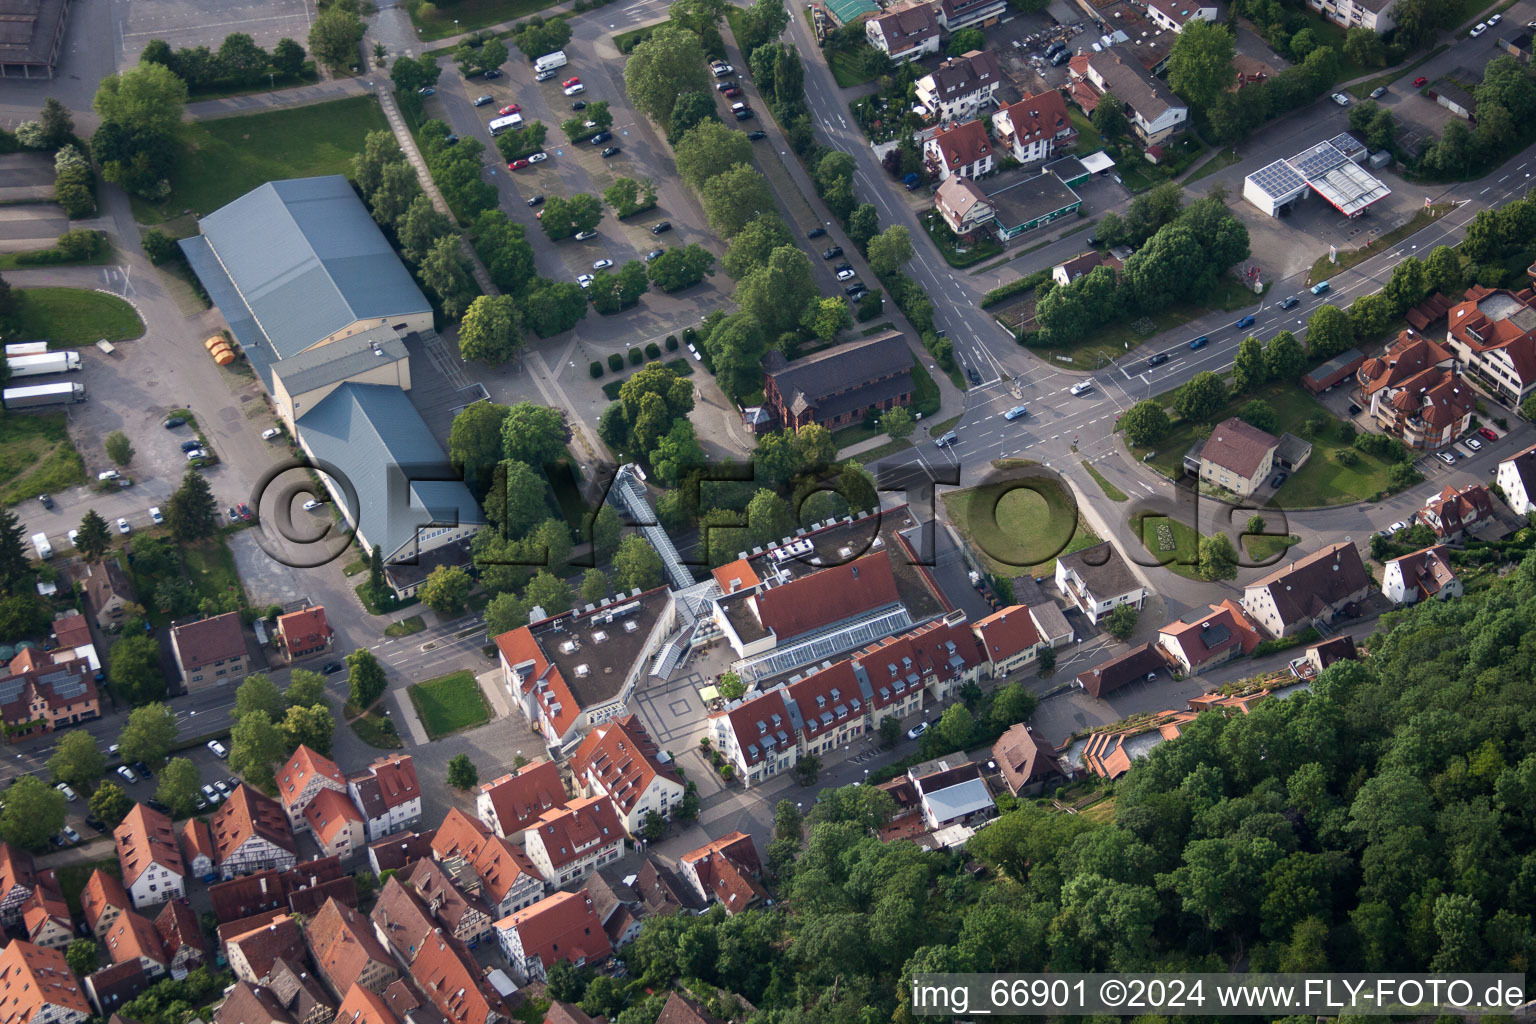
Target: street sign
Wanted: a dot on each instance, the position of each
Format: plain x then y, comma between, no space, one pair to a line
1333,254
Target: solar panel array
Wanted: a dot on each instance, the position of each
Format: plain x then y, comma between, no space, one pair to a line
1278,180
1317,161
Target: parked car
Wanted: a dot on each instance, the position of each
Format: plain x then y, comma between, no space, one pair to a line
1082,387
579,105
1480,28
1399,525
74,536
844,275
816,233
856,290
722,86
611,151
223,787
193,454
271,432
172,422
1157,360
585,280
123,527
1474,444
108,474
573,80
916,732
233,514
1488,433
481,101
538,158
544,76
1378,92
217,748
582,236
1200,342
331,668
744,114
721,69
755,136
1446,457
70,835
1420,82
510,109
96,824
601,137
312,504
575,90
1277,480
155,516
832,253
69,794
1341,99
127,774
517,165
245,512
602,264
191,446
426,90
536,200
493,73
1289,302
211,795
731,92
661,226
1246,321
1494,19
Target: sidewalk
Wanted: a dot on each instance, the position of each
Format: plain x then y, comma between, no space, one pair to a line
298,96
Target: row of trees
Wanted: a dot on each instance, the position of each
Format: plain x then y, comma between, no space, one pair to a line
237,62
271,724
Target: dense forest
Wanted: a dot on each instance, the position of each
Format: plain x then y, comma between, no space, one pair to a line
1382,821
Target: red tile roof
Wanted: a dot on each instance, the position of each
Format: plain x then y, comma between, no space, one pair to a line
737,575
459,836
727,869
1023,756
32,977
521,651
571,832
449,903
500,866
1227,626
567,1013
1456,510
72,631
329,813
560,927
364,1007
210,640
622,756
276,936
1425,571
1037,116
1408,355
195,839
245,814
403,918
520,798
1238,446
1007,632
679,1009
146,837
827,700
178,926
343,945
399,850
44,904
831,595
760,719
304,765
452,981
304,629
922,651
963,144
101,892
396,776
132,936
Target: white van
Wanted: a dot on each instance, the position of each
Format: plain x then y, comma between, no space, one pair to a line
550,61
41,546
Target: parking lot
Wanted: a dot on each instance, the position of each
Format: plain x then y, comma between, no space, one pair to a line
185,23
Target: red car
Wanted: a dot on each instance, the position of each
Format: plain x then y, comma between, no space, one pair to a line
1420,82
245,511
570,82
517,165
1488,433
510,109
732,91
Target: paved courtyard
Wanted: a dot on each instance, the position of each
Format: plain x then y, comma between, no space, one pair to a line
186,23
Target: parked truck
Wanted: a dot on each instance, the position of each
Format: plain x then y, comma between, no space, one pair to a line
41,546
45,363
36,395
27,348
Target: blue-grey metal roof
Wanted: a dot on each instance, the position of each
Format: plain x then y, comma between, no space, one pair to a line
308,260
341,360
958,801
222,291
403,481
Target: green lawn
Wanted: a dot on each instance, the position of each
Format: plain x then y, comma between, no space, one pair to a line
452,17
1088,138
450,703
1220,161
884,451
13,260
211,568
1111,492
374,728
36,456
848,66
925,393
1264,549
75,317
1322,481
1014,529
943,427
1184,557
1114,340
405,627
225,158
854,434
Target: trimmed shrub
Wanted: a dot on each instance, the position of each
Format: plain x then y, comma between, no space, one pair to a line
671,343
596,369
652,350
636,357
615,362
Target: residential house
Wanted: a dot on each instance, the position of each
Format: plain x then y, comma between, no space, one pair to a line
508,879
1236,457
1028,763
18,877
1452,512
964,207
304,632
255,952
337,824
445,973
679,1009
399,851
561,927
210,652
1211,639
568,842
904,32
150,857
362,1006
401,921
726,870
960,88
951,794
252,1004
1416,393
1308,590
568,1013
39,696
346,951
108,591
39,987
1376,15
181,936
1009,640
101,901
662,893
512,803
197,850
45,917
1492,332
1035,129
251,833
962,150
1516,477
302,779
1097,580
841,385
301,890
616,904
1135,665
619,760
133,938
1319,656
1081,264
954,15
1154,112
389,795
1173,15
111,987
1419,575
299,992
466,917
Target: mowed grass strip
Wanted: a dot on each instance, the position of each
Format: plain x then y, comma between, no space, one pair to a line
73,317
450,703
1018,525
37,456
226,157
1184,559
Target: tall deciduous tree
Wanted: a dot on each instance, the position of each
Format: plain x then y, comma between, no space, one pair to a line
446,271
535,434
708,150
1248,369
667,64
134,670
1329,332
776,294
313,726
474,443
446,589
144,97
1200,397
33,811
890,249
491,330
734,197
366,678
1284,357
111,804
77,760
178,789
636,564
256,744
258,695
462,773
149,735
334,35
